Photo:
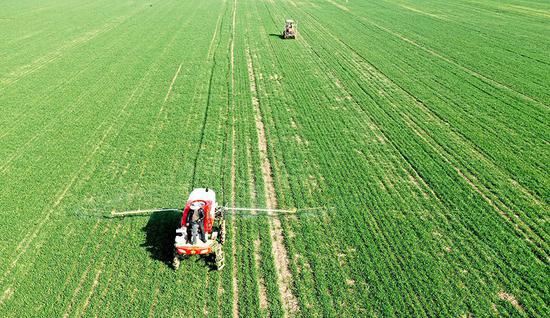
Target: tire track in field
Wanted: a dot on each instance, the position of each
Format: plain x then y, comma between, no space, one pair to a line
89,297
81,312
373,127
39,63
472,84
468,70
16,121
382,139
153,133
171,84
262,291
527,10
439,55
379,76
45,130
57,119
442,123
10,290
26,242
100,303
84,276
418,11
154,302
293,300
234,282
75,267
101,268
103,294
234,272
472,252
6,295
49,58
210,57
210,54
25,271
518,224
496,36
43,61
339,6
57,202
21,117
431,190
439,200
284,276
85,247
414,177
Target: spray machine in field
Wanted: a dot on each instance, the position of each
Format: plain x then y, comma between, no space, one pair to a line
290,30
202,230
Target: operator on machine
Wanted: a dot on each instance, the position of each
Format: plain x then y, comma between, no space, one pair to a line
195,218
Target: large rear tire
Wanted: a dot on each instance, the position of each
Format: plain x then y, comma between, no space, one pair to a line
222,232
218,257
176,262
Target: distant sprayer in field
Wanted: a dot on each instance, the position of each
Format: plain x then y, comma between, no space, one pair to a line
291,29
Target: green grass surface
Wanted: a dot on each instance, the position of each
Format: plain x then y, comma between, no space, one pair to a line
424,123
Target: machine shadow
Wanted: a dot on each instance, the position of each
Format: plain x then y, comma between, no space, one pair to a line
159,239
280,36
160,232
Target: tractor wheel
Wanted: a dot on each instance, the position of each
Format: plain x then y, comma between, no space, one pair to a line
222,232
176,262
219,258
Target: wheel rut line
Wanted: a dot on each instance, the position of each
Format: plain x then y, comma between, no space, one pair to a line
528,11
444,58
99,271
432,15
172,84
234,282
520,227
468,70
415,177
62,84
154,303
6,295
75,267
339,6
210,57
18,119
234,271
49,58
435,195
39,63
46,129
84,275
442,123
153,134
61,196
262,291
284,276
